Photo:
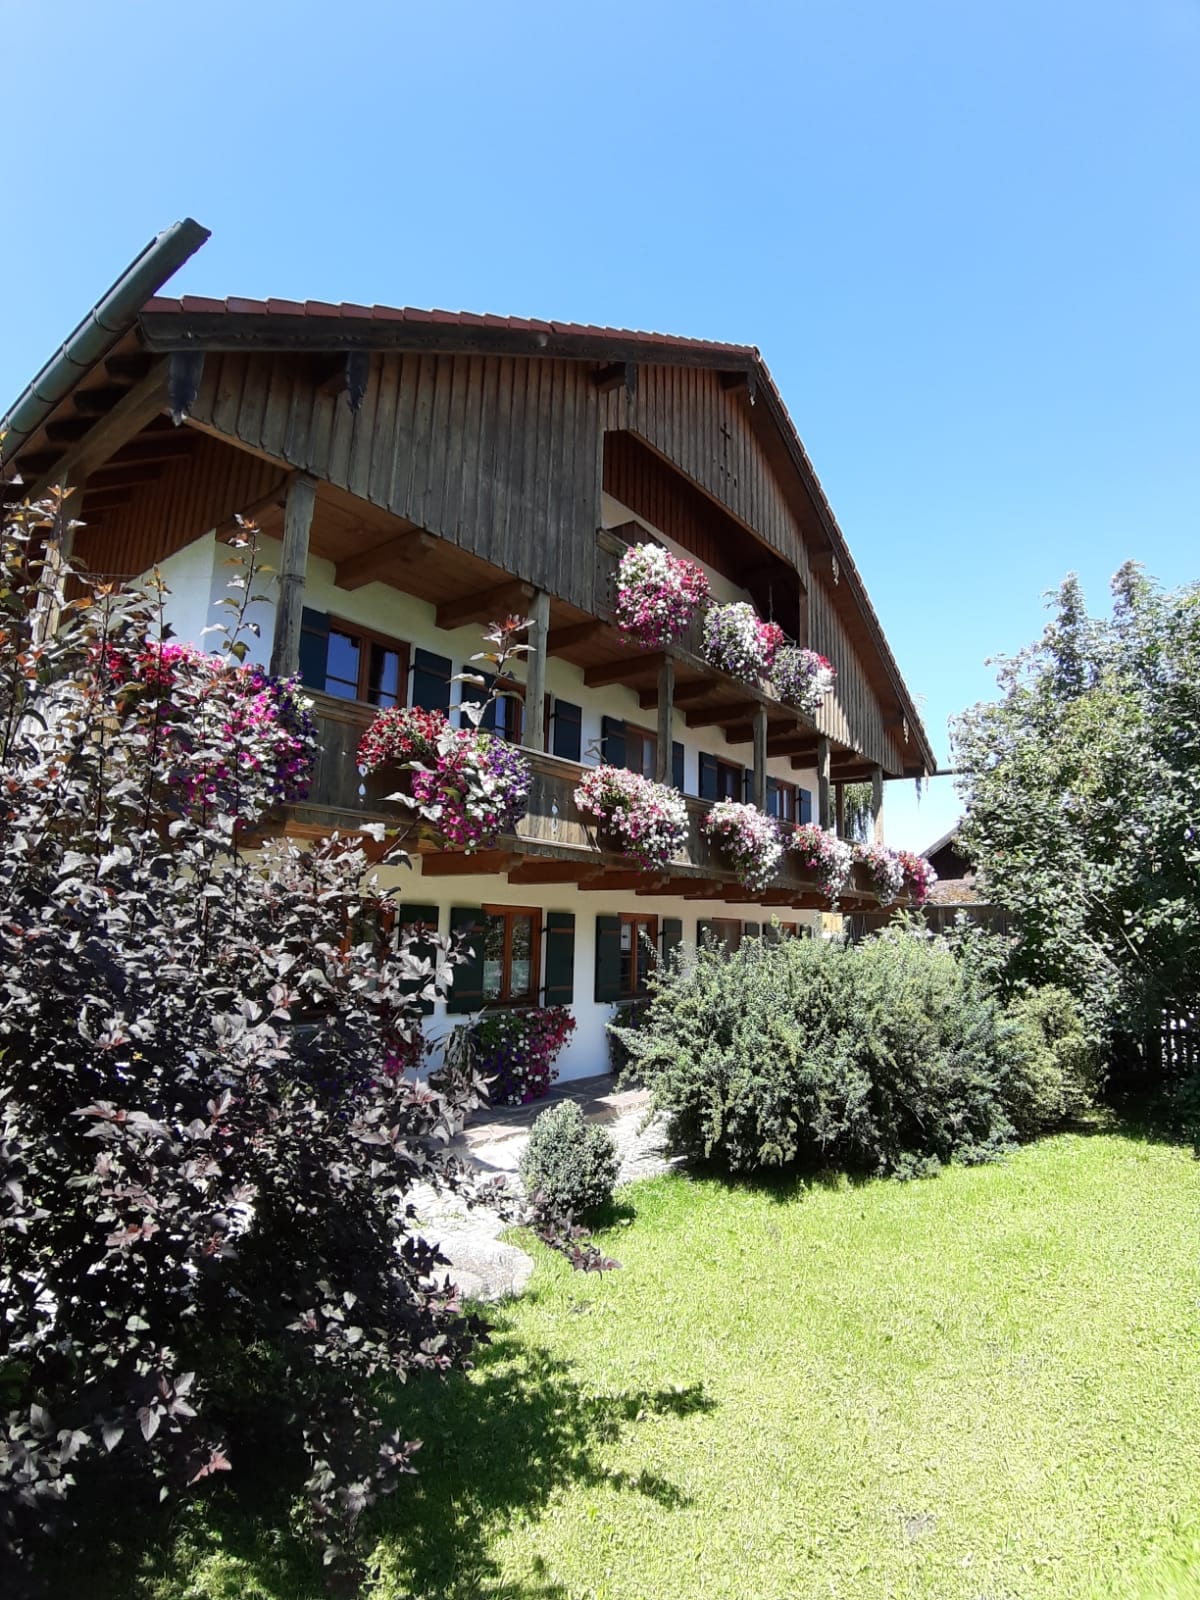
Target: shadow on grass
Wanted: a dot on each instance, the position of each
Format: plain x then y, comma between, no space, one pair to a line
496,1447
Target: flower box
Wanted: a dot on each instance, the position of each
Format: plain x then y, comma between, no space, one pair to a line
828,858
658,594
748,839
643,821
802,678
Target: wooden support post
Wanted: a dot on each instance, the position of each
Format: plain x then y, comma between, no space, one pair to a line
823,807
666,721
297,525
534,736
877,804
57,551
760,757
839,797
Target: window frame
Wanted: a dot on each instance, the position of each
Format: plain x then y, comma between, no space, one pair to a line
715,923
738,774
638,920
369,637
646,738
505,999
784,788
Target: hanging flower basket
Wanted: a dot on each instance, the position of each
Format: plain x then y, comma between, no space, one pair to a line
734,640
749,841
822,853
919,876
645,821
884,868
470,786
802,678
658,594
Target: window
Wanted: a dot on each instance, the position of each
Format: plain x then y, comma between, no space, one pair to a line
505,715
721,931
783,800
351,662
511,936
641,750
721,780
636,954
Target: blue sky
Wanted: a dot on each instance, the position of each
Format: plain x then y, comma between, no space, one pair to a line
965,237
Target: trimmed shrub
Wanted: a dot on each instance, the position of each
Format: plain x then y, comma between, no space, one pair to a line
571,1163
888,1057
1053,1066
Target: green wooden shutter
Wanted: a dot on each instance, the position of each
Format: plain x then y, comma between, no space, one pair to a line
773,795
567,723
708,776
672,936
608,958
677,764
612,741
751,930
314,647
804,800
425,920
466,993
704,930
431,680
560,958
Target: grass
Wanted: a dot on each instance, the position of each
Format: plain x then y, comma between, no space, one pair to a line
980,1387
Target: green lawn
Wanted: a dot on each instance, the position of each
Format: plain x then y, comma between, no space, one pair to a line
973,1388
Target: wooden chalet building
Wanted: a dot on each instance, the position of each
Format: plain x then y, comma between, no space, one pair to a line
416,474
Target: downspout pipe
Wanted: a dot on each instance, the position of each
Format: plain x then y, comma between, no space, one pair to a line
105,324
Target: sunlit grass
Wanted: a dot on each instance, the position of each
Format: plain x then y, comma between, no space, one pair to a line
978,1387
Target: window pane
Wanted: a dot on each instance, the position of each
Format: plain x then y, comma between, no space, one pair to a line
341,667
645,954
649,757
521,983
626,967
493,958
383,688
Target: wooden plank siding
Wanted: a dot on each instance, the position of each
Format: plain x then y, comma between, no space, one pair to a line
196,492
685,416
497,456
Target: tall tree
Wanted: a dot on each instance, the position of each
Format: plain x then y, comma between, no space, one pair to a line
1081,787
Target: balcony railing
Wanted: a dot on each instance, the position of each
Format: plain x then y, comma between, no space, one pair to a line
553,827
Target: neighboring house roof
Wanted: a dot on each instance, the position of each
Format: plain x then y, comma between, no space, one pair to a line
940,844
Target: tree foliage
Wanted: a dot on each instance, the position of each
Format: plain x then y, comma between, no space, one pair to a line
1081,787
207,1150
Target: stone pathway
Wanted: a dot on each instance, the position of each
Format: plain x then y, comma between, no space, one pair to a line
481,1264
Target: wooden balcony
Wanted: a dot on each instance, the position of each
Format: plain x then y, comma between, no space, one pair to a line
554,843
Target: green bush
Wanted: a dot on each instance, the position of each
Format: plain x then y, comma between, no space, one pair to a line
572,1163
889,1056
1053,1066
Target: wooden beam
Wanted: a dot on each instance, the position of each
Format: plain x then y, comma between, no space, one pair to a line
156,447
457,864
824,816
127,418
67,430
614,375
534,729
293,564
372,565
572,634
185,369
684,694
621,671
877,804
733,711
614,879
485,605
532,869
839,809
791,744
97,402
115,475
759,790
105,499
663,755
128,367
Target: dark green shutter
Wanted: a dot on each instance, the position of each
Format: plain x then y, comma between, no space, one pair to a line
703,931
466,993
314,647
773,793
560,958
431,680
612,741
677,764
708,776
751,930
672,936
772,933
804,805
425,920
567,723
608,958
747,786
476,694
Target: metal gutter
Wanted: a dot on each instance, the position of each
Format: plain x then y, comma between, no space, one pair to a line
113,315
